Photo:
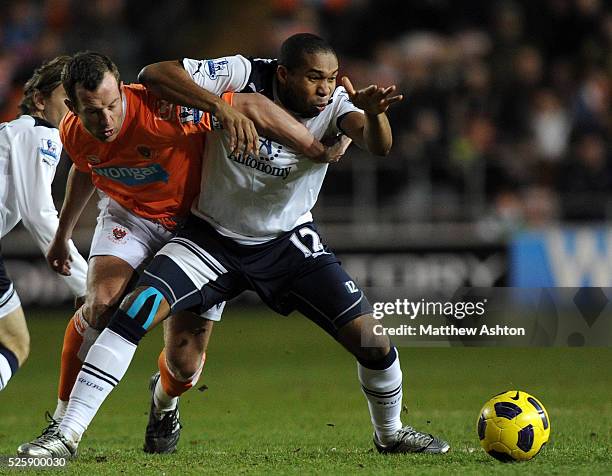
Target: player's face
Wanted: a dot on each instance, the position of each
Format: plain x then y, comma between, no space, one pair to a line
307,89
100,111
55,106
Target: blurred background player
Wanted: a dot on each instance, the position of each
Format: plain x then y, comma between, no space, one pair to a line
144,155
30,151
252,229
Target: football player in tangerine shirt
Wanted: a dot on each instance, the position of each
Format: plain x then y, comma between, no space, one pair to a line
144,156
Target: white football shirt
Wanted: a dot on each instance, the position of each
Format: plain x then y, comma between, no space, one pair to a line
30,150
250,199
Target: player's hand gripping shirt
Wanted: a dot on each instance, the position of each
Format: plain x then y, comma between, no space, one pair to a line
249,199
153,166
30,150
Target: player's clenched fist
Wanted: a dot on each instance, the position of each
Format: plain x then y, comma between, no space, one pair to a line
334,149
241,130
58,257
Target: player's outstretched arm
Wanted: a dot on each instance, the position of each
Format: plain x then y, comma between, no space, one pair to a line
371,130
277,124
170,81
79,189
32,186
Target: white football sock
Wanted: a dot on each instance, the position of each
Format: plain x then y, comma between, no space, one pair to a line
5,371
60,410
383,390
87,332
162,401
105,365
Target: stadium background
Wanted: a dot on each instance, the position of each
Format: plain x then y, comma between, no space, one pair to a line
505,126
500,174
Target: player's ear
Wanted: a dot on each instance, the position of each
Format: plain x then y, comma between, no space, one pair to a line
39,100
282,73
70,105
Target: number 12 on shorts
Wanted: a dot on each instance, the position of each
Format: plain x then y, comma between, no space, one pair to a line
317,246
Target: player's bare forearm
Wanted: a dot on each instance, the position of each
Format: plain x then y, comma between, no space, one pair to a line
377,136
274,122
170,81
79,189
370,130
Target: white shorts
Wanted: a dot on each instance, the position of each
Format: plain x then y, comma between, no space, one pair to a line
123,234
133,239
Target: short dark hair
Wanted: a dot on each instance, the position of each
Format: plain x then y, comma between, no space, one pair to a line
295,47
45,79
87,68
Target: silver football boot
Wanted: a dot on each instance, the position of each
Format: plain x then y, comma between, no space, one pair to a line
50,445
409,440
52,425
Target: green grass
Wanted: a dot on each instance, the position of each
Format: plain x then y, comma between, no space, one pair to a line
283,398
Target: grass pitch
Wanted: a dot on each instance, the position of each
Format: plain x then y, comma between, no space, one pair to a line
283,398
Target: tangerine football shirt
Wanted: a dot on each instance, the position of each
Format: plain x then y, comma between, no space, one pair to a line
153,166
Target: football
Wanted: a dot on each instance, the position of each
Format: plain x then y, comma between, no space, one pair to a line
513,426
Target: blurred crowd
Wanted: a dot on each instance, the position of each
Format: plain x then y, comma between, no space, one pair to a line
507,116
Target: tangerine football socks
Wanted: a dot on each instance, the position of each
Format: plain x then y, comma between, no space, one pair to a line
169,387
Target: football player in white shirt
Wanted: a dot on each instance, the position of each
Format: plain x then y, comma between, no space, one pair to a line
251,228
30,150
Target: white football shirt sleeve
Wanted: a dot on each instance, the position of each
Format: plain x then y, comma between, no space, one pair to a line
342,105
34,160
219,75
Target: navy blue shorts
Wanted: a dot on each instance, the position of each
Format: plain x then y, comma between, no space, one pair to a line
200,268
5,281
